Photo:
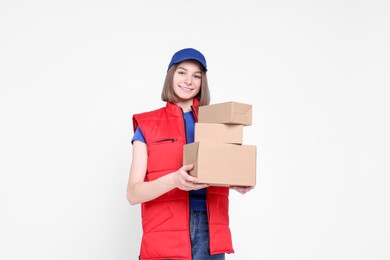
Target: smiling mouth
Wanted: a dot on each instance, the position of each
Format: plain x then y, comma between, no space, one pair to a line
185,89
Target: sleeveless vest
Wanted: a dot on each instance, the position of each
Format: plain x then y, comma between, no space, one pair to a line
165,220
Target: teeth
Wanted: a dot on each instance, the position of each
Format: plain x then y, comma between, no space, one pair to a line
186,89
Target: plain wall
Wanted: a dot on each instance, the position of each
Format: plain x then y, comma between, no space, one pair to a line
72,73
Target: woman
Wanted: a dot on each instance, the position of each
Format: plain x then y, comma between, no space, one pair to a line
181,217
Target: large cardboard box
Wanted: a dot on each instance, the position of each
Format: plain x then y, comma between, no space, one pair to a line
223,133
222,164
226,113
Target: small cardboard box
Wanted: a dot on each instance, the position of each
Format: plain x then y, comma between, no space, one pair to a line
223,133
222,164
226,113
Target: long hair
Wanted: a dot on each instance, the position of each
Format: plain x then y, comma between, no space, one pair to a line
169,95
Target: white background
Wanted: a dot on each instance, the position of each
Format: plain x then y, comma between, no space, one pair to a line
72,73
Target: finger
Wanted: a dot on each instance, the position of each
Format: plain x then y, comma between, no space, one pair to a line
187,167
198,186
242,189
192,179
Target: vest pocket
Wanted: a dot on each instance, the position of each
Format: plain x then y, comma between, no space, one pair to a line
165,154
166,140
157,220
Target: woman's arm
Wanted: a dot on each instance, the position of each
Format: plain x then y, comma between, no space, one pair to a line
139,191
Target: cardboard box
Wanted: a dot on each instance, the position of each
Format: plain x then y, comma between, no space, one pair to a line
223,133
222,164
226,113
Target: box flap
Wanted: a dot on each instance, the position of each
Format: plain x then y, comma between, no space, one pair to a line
226,113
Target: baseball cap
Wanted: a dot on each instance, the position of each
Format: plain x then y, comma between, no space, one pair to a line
188,54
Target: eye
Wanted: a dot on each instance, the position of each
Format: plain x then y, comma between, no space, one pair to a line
180,72
198,76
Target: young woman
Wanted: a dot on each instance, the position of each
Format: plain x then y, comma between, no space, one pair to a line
181,217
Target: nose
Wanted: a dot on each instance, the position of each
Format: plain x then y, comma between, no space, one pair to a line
188,80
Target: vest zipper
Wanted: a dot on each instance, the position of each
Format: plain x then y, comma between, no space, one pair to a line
167,140
207,194
194,113
189,211
184,124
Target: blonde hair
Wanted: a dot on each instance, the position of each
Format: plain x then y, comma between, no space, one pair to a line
169,95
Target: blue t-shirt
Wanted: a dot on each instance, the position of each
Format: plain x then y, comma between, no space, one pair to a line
197,197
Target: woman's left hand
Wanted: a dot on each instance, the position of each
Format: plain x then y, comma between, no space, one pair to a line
242,189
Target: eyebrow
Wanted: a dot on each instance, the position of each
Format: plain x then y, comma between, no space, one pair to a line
187,70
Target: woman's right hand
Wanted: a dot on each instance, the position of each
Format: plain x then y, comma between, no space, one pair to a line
182,180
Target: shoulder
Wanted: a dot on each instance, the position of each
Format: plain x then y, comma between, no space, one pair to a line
153,114
147,117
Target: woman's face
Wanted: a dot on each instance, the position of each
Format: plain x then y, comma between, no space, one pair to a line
187,80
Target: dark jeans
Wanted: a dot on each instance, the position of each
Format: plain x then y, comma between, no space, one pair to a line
199,229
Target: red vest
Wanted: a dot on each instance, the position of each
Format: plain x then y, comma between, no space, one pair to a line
165,220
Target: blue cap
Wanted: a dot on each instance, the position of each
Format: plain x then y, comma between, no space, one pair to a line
188,54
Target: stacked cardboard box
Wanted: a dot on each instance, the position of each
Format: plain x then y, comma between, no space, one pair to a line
218,153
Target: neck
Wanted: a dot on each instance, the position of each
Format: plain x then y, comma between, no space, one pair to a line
185,105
